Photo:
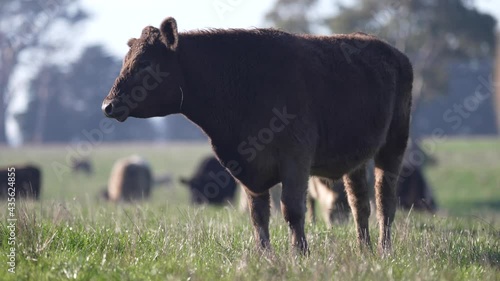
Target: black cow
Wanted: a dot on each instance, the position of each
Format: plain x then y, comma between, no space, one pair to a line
27,182
211,183
82,165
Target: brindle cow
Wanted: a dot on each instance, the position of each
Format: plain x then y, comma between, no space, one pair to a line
413,193
279,107
130,180
275,198
331,198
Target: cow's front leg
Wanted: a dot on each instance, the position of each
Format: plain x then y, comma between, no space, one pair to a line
259,206
293,206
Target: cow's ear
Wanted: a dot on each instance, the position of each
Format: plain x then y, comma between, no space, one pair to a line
131,42
169,34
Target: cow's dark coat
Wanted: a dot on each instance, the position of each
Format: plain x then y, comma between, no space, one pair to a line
279,107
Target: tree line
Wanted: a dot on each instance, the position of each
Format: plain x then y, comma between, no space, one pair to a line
65,99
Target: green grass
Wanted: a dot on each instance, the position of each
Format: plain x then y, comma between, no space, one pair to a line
466,178
71,235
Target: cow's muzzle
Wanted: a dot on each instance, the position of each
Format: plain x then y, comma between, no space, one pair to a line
111,110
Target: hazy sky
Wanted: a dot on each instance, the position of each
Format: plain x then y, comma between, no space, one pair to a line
115,21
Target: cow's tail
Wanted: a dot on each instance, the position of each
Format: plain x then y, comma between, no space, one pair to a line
399,128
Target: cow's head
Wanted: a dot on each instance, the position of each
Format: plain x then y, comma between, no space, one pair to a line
195,186
149,81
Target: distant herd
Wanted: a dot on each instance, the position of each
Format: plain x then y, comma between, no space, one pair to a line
22,181
131,179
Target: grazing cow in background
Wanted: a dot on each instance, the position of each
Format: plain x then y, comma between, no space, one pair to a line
82,165
413,191
279,107
27,184
332,200
330,196
275,199
130,180
211,183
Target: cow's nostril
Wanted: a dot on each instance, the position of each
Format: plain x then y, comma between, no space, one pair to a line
108,109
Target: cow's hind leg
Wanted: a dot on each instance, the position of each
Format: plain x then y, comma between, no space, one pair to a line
387,166
358,196
259,206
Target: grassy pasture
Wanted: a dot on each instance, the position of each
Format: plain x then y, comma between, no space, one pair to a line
70,234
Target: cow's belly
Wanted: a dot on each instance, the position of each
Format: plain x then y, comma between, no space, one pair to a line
257,173
339,156
258,180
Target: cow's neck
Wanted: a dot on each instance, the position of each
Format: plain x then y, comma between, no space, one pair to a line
207,98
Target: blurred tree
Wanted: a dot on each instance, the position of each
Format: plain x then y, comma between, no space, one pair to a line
292,15
432,33
65,103
43,99
24,26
